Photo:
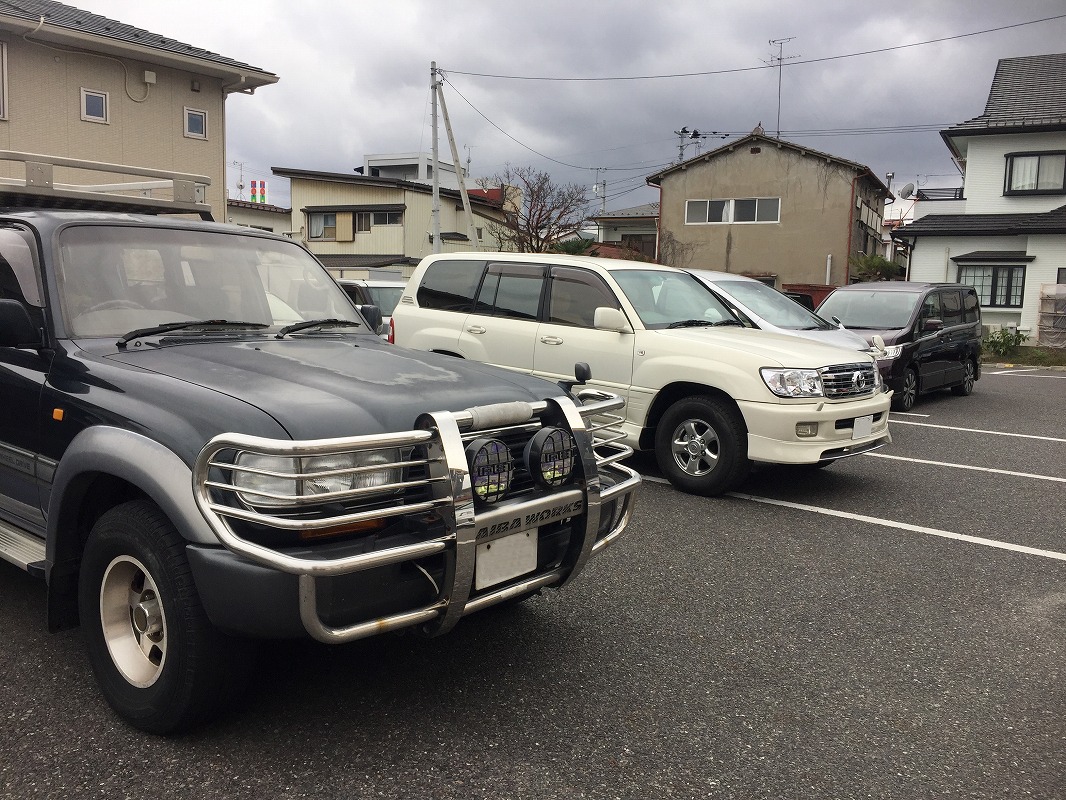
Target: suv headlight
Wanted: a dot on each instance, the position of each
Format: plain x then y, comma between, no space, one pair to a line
889,353
793,382
275,481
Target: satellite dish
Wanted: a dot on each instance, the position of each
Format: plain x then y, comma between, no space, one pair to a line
906,191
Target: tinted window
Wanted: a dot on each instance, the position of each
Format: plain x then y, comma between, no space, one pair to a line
575,295
511,290
873,310
385,297
970,307
450,285
951,307
18,278
931,307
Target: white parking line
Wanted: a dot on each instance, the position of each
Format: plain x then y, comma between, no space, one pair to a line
1017,548
974,430
907,414
967,466
1013,371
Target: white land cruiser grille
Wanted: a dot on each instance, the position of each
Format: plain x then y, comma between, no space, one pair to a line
849,380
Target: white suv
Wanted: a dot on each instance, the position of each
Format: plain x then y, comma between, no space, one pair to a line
707,394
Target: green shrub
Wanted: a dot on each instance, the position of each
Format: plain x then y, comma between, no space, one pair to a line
1004,342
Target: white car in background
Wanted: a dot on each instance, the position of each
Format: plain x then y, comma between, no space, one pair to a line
770,310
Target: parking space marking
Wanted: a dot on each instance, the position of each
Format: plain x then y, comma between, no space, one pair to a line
975,430
908,414
906,526
1013,371
968,466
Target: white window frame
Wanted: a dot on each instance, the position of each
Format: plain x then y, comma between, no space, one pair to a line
730,211
106,96
3,80
192,134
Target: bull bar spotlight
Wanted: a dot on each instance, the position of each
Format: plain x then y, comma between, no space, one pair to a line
550,457
491,469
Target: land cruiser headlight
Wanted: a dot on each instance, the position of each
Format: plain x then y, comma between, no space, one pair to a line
271,475
793,382
890,353
290,478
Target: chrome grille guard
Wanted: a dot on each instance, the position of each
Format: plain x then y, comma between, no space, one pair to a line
444,489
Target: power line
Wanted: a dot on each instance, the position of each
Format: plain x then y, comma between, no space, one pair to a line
765,66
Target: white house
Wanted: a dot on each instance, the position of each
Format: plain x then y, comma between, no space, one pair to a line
1004,231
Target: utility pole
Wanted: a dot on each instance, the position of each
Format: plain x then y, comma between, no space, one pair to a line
601,188
434,85
471,234
779,58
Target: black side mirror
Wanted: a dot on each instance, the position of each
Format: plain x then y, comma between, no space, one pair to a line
932,325
372,315
16,327
582,373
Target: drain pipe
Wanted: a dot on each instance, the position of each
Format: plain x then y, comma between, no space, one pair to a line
828,269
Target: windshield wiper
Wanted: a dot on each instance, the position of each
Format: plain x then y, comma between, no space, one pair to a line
691,323
166,327
316,323
738,323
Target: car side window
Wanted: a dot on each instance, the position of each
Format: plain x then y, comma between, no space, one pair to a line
575,295
511,290
971,306
18,277
450,285
930,307
951,307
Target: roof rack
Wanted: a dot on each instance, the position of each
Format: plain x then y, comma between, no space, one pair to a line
38,189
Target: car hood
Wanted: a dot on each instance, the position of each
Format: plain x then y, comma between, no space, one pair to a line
838,337
324,387
769,348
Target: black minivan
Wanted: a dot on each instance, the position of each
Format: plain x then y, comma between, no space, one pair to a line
931,332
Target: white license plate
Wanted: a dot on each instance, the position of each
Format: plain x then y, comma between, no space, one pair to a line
505,558
864,426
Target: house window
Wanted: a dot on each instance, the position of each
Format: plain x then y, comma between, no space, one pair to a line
388,218
748,209
362,221
479,233
997,286
323,227
1036,173
195,123
94,106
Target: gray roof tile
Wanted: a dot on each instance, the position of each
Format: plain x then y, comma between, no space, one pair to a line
985,224
1027,91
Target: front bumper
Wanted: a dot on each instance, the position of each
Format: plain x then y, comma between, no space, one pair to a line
776,441
425,576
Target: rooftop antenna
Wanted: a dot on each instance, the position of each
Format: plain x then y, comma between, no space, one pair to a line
779,58
240,179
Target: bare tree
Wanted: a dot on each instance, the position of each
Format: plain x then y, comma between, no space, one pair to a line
538,211
674,252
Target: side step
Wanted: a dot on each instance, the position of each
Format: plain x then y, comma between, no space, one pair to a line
20,548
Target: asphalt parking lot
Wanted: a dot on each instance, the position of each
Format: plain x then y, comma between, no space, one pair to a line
889,627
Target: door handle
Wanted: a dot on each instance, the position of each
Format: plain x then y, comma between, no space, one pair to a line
475,329
550,340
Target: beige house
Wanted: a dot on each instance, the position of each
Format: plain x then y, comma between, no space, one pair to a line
264,216
356,224
770,209
77,85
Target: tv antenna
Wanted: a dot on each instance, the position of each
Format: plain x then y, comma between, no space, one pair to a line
779,58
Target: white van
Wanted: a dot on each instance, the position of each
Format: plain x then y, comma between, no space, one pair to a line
703,391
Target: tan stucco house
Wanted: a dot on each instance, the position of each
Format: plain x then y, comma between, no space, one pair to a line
768,208
355,223
78,85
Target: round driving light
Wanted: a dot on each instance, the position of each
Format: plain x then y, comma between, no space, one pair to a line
491,469
550,457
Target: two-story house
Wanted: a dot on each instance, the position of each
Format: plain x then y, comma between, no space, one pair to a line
80,86
356,223
635,228
1004,231
771,209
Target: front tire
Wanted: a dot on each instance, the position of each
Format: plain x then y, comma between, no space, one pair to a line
965,389
158,660
904,399
701,445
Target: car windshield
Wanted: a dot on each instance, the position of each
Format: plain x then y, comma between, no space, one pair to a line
872,310
664,299
385,297
116,279
772,306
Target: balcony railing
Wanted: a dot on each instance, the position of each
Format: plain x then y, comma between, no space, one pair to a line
941,194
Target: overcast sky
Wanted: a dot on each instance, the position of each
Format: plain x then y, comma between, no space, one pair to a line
355,76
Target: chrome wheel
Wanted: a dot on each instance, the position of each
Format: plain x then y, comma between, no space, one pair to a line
695,447
904,401
969,376
133,622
